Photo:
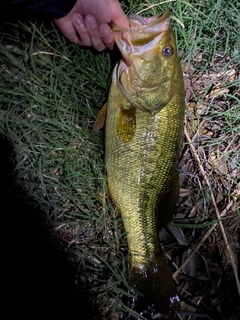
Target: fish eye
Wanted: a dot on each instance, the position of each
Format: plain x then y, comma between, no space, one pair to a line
167,51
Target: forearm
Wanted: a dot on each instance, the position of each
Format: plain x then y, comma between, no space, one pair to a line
53,9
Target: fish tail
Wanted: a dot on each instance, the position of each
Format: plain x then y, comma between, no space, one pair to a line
153,289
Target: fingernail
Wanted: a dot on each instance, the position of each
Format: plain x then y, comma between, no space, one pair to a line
78,19
90,21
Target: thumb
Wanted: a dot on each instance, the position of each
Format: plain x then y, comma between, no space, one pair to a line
118,16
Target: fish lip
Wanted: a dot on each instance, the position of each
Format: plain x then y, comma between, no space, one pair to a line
140,22
147,24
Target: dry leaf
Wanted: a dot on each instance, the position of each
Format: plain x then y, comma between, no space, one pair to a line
216,92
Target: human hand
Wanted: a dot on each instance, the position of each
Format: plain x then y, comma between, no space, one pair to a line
87,24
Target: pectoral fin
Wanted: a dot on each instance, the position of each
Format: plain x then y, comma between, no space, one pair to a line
126,124
101,118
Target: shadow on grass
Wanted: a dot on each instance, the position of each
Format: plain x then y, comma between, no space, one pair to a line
38,282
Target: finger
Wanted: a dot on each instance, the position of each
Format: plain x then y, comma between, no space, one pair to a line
81,30
92,28
69,32
106,35
118,16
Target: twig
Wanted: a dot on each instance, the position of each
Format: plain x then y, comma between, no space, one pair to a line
176,273
229,249
50,54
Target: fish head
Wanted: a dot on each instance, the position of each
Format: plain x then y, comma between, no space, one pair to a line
149,70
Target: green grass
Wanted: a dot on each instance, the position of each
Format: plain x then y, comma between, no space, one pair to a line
50,93
47,108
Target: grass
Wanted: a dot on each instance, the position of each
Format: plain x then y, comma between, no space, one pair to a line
50,94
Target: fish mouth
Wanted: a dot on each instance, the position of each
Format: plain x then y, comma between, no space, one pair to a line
156,24
141,35
139,41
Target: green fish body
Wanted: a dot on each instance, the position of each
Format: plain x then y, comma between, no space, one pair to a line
143,133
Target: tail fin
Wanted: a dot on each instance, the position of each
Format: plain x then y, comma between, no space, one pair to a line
153,289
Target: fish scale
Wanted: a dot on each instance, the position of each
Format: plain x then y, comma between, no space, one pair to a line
138,172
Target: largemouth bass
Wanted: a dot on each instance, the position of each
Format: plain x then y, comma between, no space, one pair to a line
143,132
